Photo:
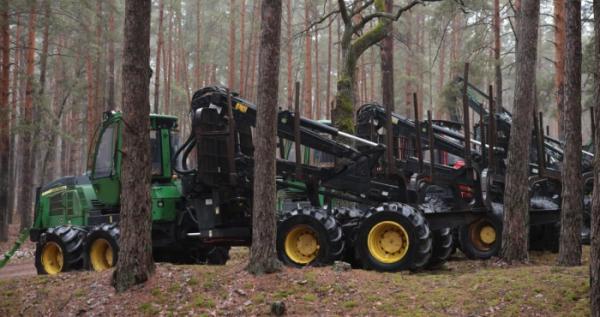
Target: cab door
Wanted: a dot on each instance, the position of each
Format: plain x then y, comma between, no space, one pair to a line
106,168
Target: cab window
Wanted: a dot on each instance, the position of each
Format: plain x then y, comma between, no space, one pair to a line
104,163
156,153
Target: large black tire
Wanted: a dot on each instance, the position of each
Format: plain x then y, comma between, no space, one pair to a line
316,226
475,247
349,218
217,255
102,247
61,248
443,247
407,224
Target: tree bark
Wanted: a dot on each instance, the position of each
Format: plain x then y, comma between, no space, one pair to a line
290,45
351,50
516,197
4,120
242,35
168,64
231,66
572,189
329,57
308,108
111,58
559,60
28,162
13,197
317,86
387,90
263,256
159,47
595,221
135,264
497,60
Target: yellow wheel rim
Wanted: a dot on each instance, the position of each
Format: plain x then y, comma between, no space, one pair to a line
52,258
482,234
301,244
388,242
101,255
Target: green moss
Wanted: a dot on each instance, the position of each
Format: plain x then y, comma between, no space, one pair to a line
349,304
309,297
203,302
148,309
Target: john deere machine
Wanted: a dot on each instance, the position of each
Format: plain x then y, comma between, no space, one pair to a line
202,197
468,173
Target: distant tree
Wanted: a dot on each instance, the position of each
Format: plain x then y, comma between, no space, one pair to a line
27,158
387,86
497,59
263,256
516,195
355,20
572,190
135,264
4,120
307,101
232,29
595,222
559,59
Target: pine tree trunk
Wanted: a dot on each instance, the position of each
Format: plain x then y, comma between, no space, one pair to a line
317,86
111,58
28,162
516,197
242,35
13,196
263,256
290,45
572,189
559,60
168,64
4,120
198,53
231,66
307,100
595,221
595,212
497,60
329,57
387,89
135,264
159,47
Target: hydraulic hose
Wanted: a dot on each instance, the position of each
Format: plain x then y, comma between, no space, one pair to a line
187,146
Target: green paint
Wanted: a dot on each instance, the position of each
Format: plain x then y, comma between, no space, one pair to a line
70,205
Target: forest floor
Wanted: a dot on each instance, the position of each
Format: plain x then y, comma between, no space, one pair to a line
459,288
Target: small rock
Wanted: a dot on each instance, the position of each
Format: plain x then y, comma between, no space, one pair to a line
241,292
248,303
278,308
303,282
539,295
341,266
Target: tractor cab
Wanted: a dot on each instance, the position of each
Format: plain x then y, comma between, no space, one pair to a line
105,155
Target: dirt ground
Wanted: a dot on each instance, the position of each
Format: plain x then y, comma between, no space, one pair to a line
459,288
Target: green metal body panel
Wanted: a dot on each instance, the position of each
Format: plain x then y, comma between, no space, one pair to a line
70,204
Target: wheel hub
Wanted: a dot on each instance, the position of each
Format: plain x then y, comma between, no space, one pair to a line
101,255
388,242
487,235
52,258
302,244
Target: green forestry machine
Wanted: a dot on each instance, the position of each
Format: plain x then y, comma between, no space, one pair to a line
202,197
468,173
